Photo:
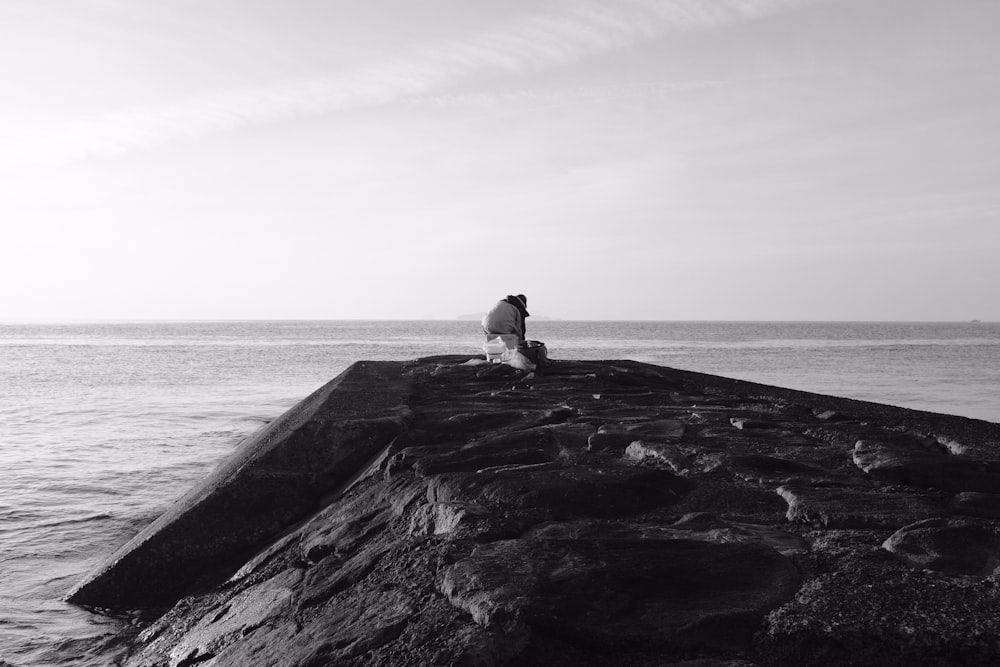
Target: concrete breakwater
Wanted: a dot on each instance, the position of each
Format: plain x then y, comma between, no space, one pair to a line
441,511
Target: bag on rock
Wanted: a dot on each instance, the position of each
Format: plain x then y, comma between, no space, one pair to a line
535,351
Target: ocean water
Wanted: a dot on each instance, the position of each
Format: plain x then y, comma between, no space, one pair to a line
103,426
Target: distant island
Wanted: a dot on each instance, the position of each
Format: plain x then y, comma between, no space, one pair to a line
478,316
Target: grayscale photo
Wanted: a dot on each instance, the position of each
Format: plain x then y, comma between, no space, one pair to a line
481,333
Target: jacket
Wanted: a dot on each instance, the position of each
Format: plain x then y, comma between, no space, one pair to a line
506,317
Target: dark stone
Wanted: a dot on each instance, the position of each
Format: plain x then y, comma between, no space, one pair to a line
643,593
619,436
874,613
674,456
702,526
972,503
564,492
340,632
951,546
603,440
332,575
473,460
485,417
460,520
750,424
765,469
827,415
344,526
914,462
832,507
753,439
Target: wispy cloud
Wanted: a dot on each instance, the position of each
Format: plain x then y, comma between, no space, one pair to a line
565,95
533,42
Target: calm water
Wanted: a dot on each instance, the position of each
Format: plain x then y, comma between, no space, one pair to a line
102,426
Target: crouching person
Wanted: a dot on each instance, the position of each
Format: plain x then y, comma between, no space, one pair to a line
506,319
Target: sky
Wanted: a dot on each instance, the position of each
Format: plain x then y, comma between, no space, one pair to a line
611,159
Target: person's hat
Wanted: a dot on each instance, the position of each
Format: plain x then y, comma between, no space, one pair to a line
523,299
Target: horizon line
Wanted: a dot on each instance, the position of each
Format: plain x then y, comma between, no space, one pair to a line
461,319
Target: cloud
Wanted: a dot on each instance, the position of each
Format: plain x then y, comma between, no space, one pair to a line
574,94
543,40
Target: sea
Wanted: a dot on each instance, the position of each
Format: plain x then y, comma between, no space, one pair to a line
104,425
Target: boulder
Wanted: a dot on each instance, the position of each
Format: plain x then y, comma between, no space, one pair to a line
677,457
832,507
958,547
912,461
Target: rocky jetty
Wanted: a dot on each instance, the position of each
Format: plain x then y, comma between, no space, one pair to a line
447,512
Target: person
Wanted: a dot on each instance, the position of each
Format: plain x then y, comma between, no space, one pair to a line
507,317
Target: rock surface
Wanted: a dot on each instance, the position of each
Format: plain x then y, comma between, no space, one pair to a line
277,476
446,512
